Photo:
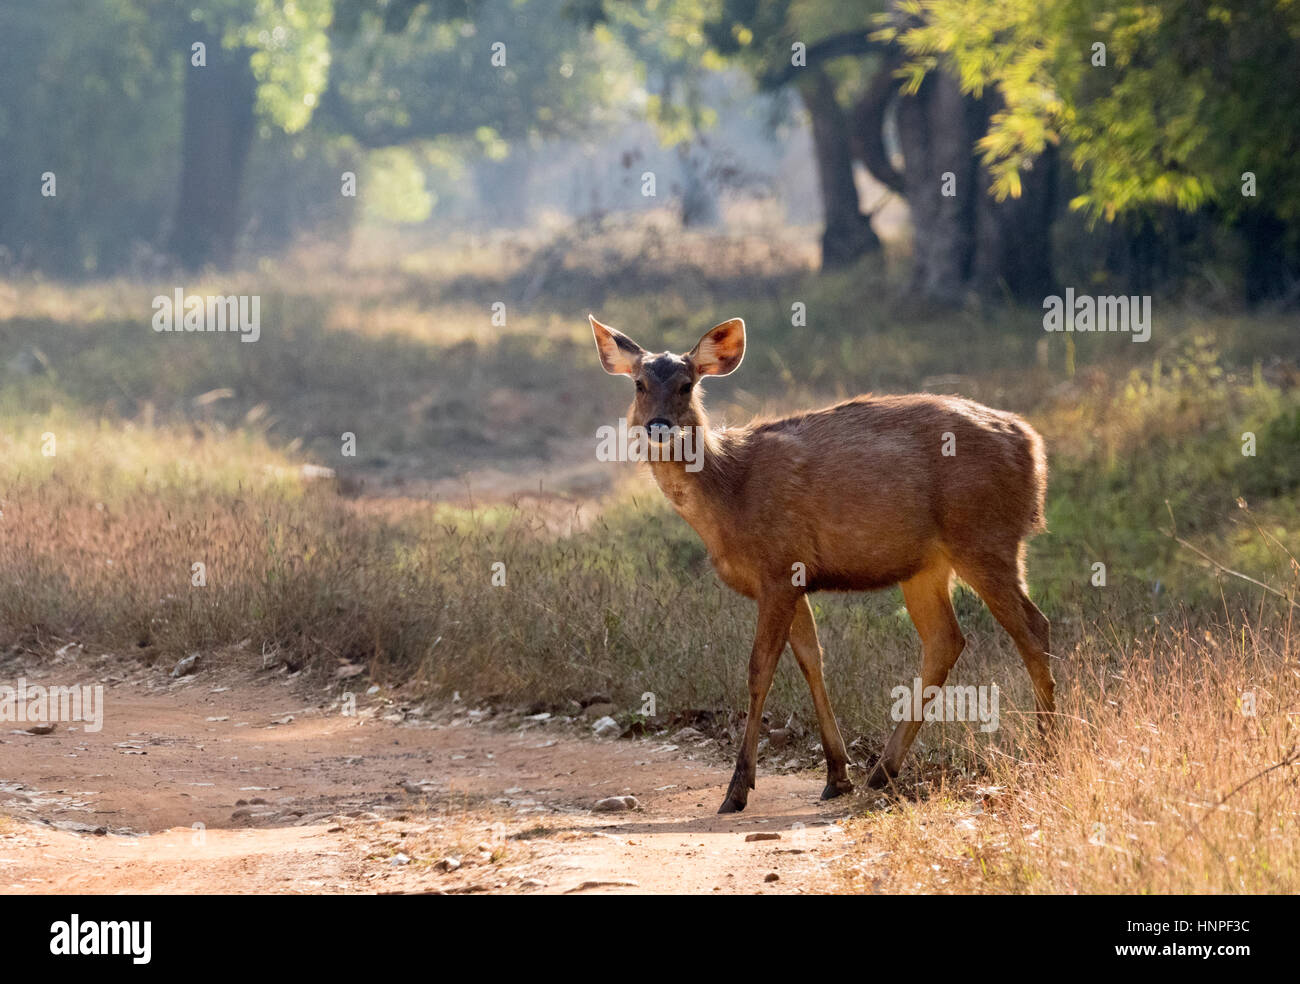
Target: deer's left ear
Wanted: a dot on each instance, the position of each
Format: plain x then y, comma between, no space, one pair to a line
720,350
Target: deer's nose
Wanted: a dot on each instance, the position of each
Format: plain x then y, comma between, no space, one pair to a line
658,422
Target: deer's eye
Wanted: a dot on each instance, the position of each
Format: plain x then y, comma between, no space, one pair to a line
640,386
686,388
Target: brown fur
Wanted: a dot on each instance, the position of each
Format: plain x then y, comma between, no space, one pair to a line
863,497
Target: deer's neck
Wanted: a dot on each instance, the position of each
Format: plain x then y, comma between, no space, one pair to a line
703,490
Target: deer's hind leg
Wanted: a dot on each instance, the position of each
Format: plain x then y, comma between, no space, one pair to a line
929,603
1000,581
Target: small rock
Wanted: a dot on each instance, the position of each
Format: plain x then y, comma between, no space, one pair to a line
398,859
448,864
593,711
186,666
606,727
762,835
616,804
779,738
771,876
41,729
686,734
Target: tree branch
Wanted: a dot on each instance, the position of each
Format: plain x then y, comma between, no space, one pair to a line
869,125
857,42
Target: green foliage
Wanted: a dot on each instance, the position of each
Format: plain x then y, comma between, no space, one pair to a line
288,47
1163,454
437,78
395,186
677,42
1191,96
671,45
291,56
95,100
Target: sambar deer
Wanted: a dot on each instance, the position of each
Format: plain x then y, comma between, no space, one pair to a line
865,494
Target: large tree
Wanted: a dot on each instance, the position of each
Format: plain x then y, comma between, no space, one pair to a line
963,240
959,241
1159,104
91,102
801,44
488,86
244,61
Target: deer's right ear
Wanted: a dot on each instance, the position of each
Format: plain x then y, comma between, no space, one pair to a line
618,353
720,350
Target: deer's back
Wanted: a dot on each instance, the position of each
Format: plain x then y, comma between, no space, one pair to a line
864,495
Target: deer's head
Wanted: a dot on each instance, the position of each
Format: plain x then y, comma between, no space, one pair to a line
667,393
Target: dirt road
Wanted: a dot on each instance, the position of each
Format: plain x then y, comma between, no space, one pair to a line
243,784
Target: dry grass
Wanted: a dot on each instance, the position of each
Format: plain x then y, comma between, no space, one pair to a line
1176,770
153,473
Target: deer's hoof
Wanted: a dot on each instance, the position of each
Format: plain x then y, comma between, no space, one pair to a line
880,776
836,787
730,805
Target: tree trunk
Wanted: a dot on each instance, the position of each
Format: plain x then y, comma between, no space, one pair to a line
963,241
941,181
217,135
869,124
1271,270
848,234
1013,237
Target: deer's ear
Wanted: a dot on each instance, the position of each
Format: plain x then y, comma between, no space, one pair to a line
720,350
618,353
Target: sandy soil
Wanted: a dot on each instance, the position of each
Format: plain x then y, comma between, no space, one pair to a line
248,783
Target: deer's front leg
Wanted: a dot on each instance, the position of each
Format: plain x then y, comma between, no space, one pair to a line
808,651
775,612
